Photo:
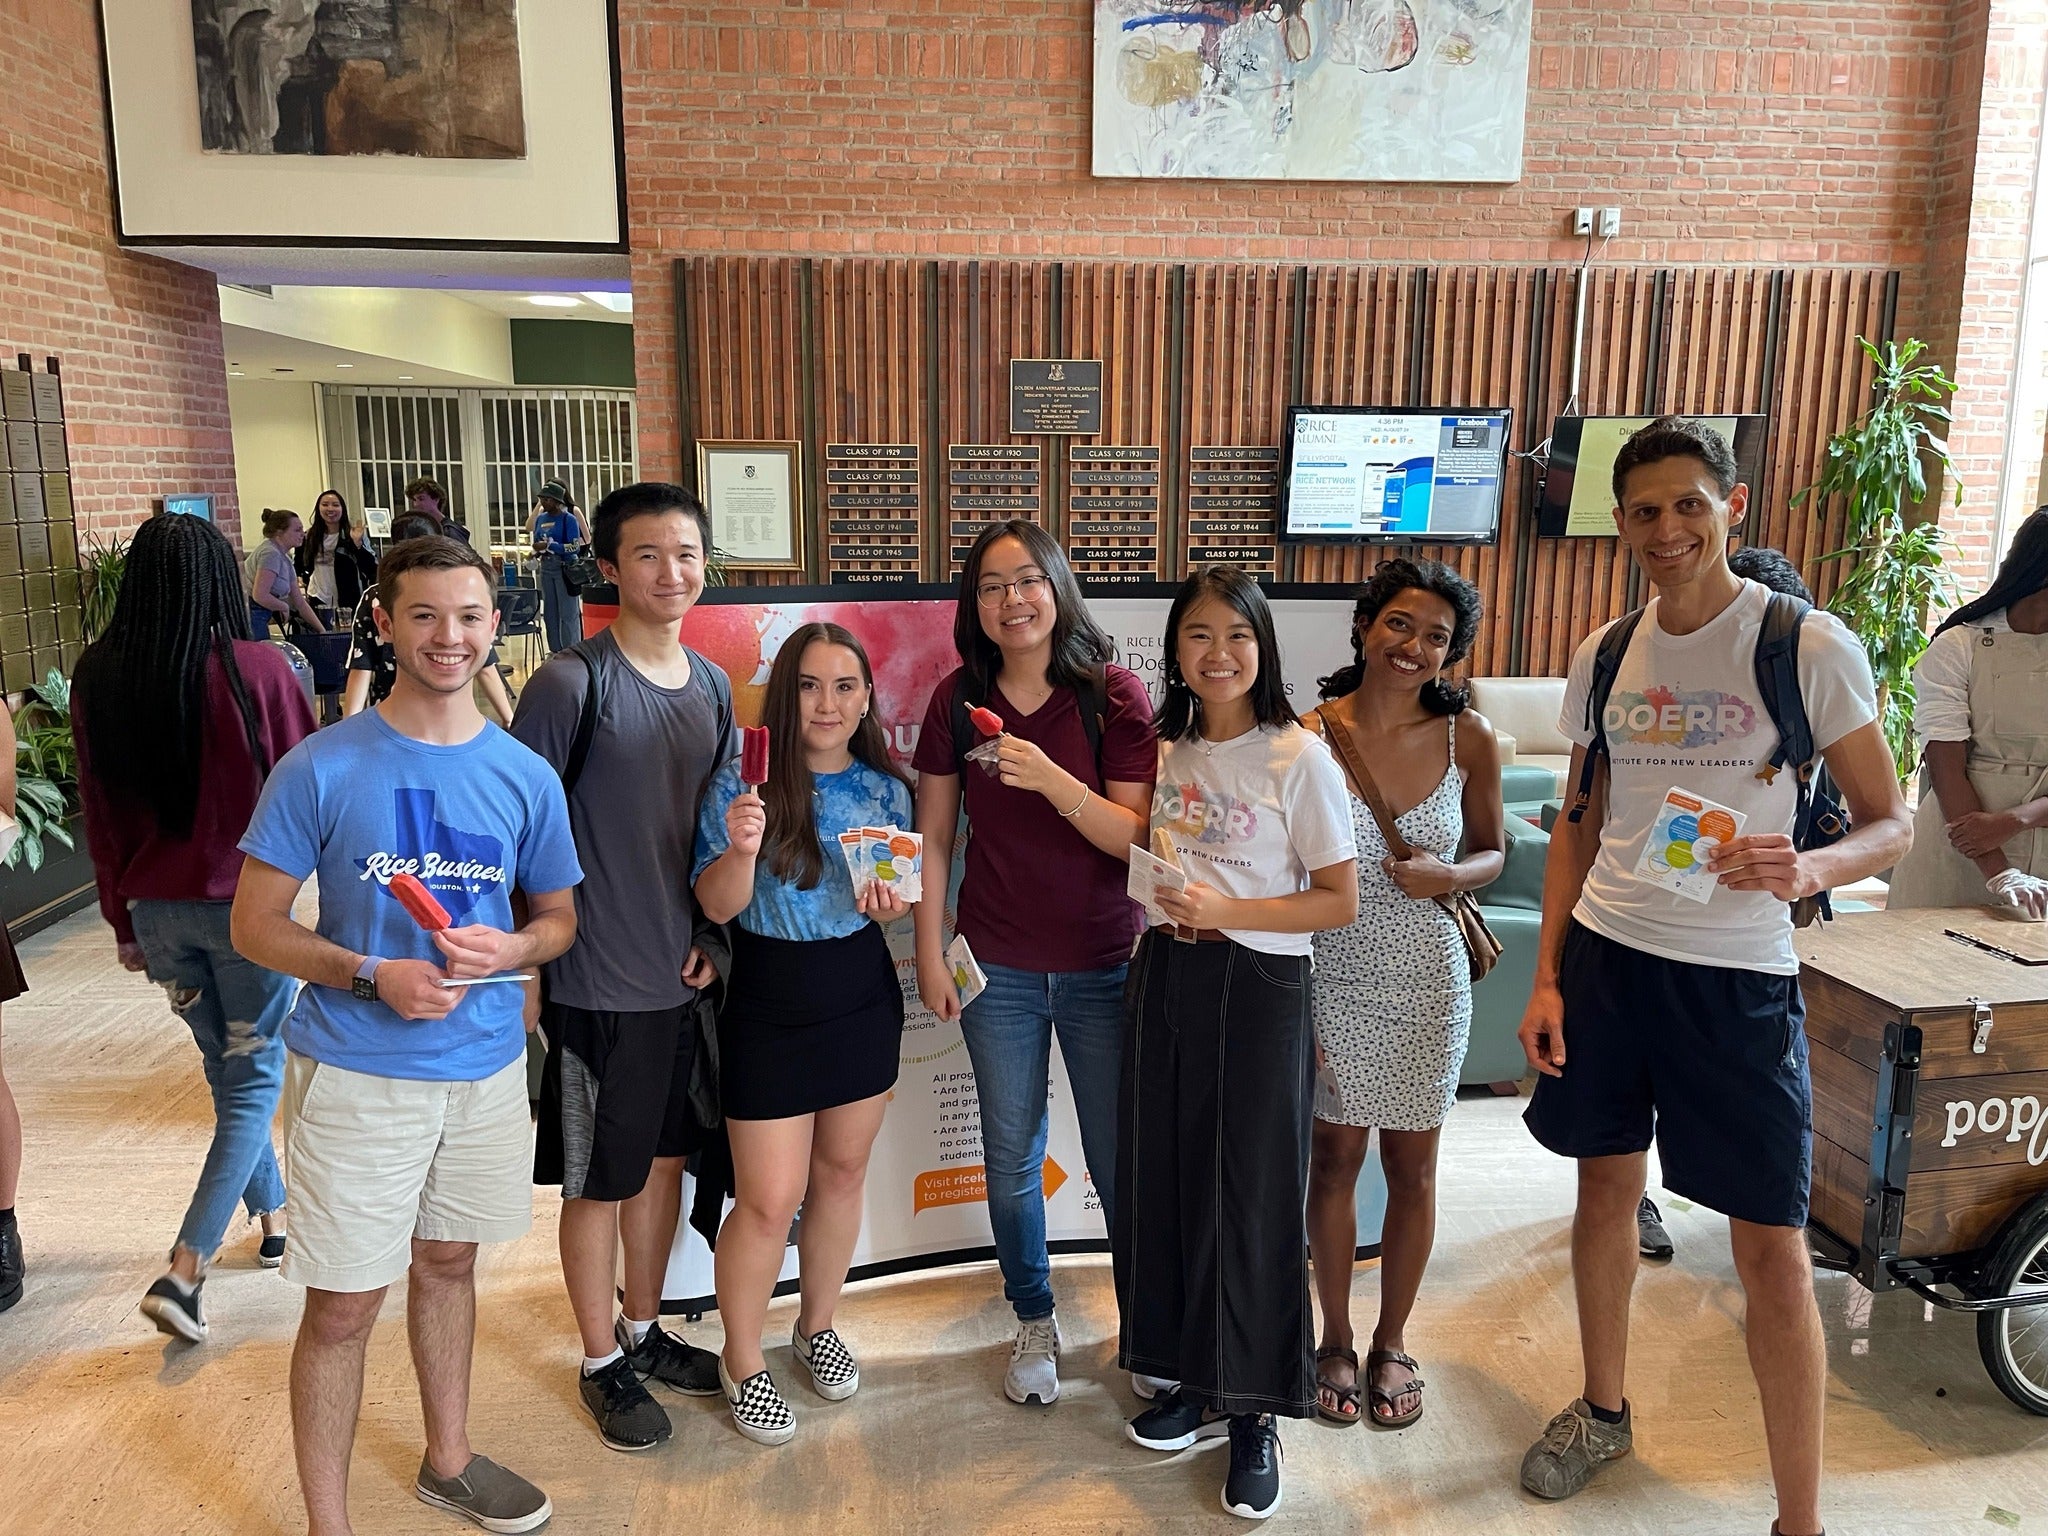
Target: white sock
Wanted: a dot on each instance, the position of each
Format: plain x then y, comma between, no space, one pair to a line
185,1287
637,1329
592,1366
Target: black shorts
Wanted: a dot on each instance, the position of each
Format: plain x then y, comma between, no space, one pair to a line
1709,1059
614,1096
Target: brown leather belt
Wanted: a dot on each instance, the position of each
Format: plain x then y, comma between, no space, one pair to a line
1198,935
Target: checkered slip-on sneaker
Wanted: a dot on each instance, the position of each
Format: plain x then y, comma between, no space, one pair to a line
758,1409
835,1374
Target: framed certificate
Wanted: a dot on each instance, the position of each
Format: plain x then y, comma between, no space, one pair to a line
754,493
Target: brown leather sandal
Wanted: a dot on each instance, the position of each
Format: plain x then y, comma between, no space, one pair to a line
1381,1395
1347,1397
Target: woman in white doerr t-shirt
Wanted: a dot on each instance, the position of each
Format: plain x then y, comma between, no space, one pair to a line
1213,1120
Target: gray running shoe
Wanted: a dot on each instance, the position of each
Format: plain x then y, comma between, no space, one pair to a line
1652,1241
486,1495
1573,1446
1034,1374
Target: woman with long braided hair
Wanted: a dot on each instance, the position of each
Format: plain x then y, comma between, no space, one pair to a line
178,716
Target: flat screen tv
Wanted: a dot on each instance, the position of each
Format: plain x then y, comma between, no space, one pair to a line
1393,474
1578,487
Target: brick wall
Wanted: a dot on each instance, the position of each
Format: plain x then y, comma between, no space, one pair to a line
1731,131
1986,217
139,339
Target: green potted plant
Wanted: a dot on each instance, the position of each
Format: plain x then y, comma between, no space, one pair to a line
99,568
45,773
1878,466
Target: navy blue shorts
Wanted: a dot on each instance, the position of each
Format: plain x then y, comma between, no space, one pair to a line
1708,1059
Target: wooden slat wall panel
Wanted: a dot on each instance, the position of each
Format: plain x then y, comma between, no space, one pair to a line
1119,313
1238,358
871,363
1700,340
747,367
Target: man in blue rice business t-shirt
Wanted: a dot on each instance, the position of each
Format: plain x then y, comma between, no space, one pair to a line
406,1126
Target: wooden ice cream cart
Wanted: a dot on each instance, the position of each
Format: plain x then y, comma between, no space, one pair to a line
1930,1119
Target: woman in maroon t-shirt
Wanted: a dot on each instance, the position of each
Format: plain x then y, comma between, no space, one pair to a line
1042,904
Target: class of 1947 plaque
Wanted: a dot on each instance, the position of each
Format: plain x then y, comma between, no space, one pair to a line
1056,395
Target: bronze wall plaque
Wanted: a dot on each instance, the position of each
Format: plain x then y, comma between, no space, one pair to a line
1056,395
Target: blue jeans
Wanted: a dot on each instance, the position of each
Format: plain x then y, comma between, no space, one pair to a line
1009,1030
236,1011
561,610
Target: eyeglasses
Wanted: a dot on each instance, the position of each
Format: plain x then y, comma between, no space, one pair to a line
1029,589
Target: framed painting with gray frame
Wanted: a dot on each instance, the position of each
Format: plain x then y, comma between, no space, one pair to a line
754,493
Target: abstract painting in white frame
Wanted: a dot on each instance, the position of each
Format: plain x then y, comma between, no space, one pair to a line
1311,90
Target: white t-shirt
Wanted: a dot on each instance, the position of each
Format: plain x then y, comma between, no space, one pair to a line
1686,713
1252,816
1941,680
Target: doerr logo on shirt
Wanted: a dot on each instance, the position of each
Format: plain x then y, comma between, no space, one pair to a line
459,867
1204,818
1671,717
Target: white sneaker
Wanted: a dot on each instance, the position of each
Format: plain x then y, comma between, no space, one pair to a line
1149,1387
1034,1374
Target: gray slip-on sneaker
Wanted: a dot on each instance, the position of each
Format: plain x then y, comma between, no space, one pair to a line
1574,1446
486,1494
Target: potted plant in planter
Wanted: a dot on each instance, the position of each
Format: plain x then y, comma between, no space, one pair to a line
48,867
1879,467
99,568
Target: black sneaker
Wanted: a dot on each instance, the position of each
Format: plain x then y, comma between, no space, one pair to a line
1173,1423
628,1418
1253,1487
1652,1241
13,1265
270,1252
175,1310
663,1357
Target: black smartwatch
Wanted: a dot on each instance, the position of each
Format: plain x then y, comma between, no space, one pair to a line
365,984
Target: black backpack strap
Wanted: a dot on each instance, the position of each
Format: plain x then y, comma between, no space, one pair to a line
586,721
1606,667
1777,680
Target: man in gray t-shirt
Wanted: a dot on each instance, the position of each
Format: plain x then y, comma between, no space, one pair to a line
618,1012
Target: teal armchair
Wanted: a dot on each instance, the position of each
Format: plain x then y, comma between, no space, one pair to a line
1513,905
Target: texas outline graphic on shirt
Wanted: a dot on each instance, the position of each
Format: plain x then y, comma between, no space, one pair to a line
1671,717
1205,819
459,867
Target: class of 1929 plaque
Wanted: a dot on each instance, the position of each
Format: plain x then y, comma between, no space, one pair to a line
1056,395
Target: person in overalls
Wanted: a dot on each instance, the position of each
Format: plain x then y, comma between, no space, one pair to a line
1981,835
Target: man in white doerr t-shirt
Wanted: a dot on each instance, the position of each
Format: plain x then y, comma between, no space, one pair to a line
1654,1014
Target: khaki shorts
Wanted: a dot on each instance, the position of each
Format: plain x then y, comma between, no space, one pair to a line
374,1162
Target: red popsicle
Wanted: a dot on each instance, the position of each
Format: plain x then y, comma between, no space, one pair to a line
986,721
420,902
754,755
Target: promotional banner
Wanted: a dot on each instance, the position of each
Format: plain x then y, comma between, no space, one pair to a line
926,1197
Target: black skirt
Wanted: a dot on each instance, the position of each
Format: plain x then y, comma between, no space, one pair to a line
12,982
808,1024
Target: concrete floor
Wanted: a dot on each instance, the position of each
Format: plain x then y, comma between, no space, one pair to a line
105,1427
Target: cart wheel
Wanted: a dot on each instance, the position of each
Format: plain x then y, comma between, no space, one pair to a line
2014,1343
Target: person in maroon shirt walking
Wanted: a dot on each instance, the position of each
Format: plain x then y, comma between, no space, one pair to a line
1042,903
178,717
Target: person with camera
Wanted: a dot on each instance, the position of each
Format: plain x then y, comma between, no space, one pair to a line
560,536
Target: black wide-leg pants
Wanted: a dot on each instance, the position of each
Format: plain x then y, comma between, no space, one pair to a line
1210,1241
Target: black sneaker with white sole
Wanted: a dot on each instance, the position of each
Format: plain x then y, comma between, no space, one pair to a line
270,1252
1253,1487
1173,1423
662,1356
628,1417
175,1310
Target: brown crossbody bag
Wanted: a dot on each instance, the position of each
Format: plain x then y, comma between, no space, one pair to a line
1482,949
